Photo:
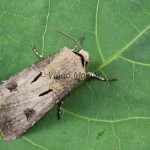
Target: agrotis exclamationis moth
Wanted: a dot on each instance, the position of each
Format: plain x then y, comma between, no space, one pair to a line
29,94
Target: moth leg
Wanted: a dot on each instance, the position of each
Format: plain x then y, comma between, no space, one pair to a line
93,75
80,41
36,52
58,109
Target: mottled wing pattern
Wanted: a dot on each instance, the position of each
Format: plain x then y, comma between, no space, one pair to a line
28,95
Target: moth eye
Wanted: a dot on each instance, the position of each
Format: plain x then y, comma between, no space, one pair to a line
46,92
29,112
36,78
12,86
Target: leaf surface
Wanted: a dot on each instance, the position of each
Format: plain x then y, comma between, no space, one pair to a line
96,115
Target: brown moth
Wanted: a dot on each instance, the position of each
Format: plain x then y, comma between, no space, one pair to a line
29,94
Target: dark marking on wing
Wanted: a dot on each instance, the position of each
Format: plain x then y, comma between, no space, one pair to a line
29,113
36,78
12,86
46,92
82,58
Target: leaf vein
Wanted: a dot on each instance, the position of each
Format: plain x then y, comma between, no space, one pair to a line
96,32
135,62
105,121
123,49
116,135
30,141
146,12
46,26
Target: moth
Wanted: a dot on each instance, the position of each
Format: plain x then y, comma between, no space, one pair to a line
29,94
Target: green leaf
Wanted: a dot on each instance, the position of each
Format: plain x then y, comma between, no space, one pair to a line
96,115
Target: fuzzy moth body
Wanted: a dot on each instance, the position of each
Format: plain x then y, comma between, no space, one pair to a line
29,94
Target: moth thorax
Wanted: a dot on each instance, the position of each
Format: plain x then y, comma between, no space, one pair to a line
85,54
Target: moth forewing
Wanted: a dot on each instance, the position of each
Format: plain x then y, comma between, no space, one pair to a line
28,95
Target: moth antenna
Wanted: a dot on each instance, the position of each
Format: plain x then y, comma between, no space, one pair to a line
80,41
77,42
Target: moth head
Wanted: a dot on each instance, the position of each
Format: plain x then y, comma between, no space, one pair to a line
85,54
